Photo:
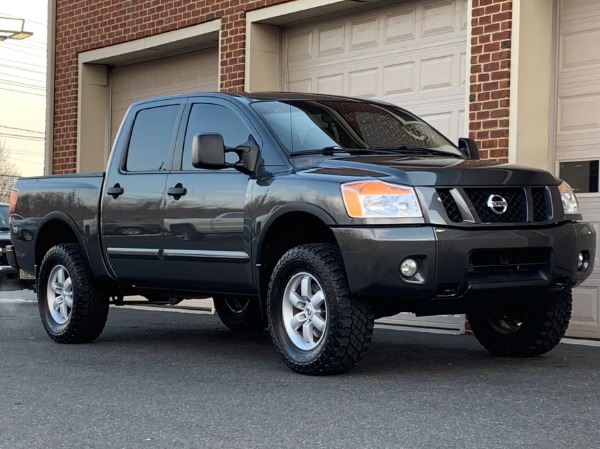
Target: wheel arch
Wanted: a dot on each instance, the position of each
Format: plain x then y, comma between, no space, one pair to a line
54,229
290,226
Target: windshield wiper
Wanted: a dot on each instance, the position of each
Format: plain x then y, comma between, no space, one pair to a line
328,151
406,150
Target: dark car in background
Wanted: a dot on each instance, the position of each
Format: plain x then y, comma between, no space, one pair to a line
7,273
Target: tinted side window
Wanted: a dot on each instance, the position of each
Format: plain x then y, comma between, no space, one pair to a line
211,118
151,139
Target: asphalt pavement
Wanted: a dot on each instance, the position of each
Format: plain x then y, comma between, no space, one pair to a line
156,379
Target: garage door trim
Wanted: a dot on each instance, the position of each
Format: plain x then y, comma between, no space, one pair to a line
93,102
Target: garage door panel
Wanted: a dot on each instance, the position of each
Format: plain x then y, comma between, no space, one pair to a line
437,73
331,40
364,33
331,84
438,18
363,83
576,51
579,114
400,26
299,45
576,12
412,53
399,79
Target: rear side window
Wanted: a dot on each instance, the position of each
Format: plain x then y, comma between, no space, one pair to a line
151,138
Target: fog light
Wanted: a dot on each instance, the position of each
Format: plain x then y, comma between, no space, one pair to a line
409,267
583,261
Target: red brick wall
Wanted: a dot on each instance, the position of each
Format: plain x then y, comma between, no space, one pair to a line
83,25
489,92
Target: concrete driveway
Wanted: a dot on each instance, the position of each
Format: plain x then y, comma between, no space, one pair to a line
182,380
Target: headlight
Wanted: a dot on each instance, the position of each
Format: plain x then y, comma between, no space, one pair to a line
569,200
372,199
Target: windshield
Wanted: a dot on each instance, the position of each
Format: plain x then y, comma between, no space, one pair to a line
304,125
3,217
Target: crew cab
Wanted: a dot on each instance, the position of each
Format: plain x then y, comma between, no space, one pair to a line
311,215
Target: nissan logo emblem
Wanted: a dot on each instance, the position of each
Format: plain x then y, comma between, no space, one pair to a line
497,204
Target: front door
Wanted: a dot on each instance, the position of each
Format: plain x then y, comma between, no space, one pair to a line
207,225
132,218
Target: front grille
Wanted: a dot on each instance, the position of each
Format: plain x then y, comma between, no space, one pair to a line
450,205
493,265
541,209
514,199
516,210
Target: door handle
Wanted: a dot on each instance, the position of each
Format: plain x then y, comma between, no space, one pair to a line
115,191
177,192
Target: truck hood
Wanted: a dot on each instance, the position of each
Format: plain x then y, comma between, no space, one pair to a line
435,171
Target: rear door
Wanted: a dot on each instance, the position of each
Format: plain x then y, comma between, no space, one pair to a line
208,226
133,202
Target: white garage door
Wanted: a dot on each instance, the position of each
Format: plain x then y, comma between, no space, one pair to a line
578,135
196,71
411,53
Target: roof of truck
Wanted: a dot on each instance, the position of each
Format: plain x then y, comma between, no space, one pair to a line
251,96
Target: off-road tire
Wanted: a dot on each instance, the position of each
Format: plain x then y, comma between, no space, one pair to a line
349,321
525,331
239,313
89,310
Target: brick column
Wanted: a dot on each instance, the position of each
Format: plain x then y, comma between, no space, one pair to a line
233,51
489,93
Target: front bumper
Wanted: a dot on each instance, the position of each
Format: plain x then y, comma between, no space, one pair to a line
458,268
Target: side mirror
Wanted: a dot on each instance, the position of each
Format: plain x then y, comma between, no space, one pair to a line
468,147
249,154
208,151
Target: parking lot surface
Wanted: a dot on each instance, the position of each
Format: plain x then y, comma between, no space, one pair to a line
156,379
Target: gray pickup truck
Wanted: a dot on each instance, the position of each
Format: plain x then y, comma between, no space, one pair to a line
311,215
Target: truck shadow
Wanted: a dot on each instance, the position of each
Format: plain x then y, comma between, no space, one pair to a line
202,339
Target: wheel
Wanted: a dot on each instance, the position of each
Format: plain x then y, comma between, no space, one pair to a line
72,310
316,326
239,313
524,331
